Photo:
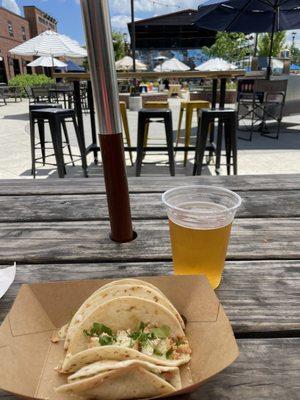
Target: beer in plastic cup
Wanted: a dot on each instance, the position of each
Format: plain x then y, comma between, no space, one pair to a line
200,219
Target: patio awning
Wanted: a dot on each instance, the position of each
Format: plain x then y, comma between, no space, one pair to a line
172,31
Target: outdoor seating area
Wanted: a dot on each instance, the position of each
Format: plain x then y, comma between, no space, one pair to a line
186,130
150,200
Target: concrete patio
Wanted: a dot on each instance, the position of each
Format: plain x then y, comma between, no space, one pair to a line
261,156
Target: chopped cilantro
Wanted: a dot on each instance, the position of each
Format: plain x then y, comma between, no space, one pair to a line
169,353
97,329
179,342
142,326
105,340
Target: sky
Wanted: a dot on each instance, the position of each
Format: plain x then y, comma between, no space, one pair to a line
68,14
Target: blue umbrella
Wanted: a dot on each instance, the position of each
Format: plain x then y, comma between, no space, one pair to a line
295,67
73,67
249,16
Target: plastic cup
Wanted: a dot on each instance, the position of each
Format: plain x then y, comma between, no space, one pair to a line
200,219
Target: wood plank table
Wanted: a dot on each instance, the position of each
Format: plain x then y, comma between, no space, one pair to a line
58,230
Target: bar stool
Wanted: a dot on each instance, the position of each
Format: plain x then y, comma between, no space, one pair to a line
56,118
146,116
151,105
126,127
41,129
189,107
227,118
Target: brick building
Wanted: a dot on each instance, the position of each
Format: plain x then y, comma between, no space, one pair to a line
14,30
39,21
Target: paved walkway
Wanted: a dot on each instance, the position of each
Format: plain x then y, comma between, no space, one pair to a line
261,156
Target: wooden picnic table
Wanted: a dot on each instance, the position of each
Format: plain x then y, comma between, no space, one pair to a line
58,230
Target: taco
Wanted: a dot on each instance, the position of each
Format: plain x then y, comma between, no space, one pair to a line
113,380
130,323
105,294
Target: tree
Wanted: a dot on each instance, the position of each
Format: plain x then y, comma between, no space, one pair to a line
295,55
264,43
229,46
119,45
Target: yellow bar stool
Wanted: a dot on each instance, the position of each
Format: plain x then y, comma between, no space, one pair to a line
189,107
126,127
153,104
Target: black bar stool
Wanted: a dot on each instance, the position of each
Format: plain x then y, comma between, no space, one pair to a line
57,118
41,129
227,118
146,116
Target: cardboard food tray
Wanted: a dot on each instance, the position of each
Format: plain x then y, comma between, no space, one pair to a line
28,357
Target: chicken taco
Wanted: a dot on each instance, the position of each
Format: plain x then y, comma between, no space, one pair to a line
110,292
136,325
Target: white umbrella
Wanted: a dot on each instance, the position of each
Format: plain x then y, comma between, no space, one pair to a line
171,65
47,62
52,44
216,64
126,63
277,64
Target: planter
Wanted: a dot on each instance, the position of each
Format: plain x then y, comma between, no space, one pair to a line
135,103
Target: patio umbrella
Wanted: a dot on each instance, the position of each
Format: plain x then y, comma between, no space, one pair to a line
215,64
47,62
52,44
126,64
295,67
73,67
172,65
250,16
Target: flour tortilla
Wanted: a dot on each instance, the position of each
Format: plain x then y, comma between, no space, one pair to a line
131,281
73,363
124,313
116,291
112,380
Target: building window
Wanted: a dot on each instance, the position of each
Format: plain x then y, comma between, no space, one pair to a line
10,28
42,21
23,33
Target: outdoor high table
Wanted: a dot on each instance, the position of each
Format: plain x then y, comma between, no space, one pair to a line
66,93
76,78
58,230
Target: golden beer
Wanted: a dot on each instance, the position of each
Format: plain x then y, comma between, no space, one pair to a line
198,251
200,220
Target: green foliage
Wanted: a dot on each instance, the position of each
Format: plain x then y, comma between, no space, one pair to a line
21,81
229,46
119,45
295,55
85,63
264,43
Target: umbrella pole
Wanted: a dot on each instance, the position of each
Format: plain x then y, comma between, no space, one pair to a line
269,68
133,41
105,89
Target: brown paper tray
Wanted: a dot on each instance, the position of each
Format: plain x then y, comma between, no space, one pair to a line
40,309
